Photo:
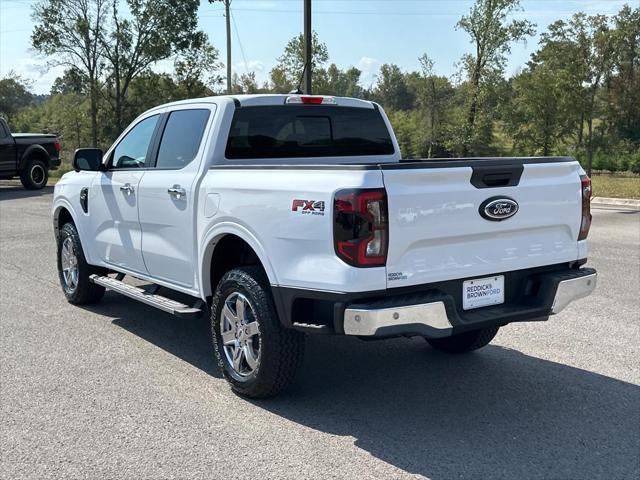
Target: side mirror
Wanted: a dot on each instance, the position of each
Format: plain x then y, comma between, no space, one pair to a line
87,159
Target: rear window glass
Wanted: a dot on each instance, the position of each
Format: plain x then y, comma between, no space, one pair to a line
288,131
181,138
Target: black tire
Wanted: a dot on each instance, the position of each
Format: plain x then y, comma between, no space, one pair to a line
83,291
280,350
34,175
464,342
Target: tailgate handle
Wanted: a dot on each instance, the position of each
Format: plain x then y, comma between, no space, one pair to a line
494,176
496,179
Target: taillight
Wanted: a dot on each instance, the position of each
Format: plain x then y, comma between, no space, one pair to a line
57,146
585,223
360,227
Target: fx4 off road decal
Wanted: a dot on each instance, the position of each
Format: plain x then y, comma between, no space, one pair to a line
308,207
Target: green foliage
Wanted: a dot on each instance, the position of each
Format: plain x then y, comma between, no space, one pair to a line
14,94
578,95
286,75
392,89
147,32
492,34
196,68
69,32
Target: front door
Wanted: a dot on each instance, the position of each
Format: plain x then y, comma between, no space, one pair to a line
168,196
8,159
114,197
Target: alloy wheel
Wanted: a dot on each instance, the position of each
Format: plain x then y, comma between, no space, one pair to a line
240,334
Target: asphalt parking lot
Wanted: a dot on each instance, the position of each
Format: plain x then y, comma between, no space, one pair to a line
120,390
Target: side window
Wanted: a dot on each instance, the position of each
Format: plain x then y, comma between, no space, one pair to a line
131,152
181,138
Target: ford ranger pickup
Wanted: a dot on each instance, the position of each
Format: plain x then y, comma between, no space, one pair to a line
286,215
28,156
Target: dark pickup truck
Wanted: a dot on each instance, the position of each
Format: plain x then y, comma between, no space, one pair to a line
29,156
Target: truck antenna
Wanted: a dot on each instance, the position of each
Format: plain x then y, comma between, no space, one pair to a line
298,89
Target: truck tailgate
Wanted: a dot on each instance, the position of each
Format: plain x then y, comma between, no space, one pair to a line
436,231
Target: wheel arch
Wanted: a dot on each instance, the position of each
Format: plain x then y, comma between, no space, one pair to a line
235,246
34,151
63,212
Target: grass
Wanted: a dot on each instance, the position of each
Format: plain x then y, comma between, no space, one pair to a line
616,186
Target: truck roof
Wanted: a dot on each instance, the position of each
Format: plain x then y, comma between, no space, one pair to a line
263,99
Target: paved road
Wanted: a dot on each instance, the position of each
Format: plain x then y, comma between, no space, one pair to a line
122,391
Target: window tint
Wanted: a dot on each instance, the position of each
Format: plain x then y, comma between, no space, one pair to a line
181,138
286,131
131,152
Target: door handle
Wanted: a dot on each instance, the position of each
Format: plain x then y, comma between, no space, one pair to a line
127,188
177,191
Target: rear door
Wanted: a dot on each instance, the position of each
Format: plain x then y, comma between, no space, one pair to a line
167,194
439,230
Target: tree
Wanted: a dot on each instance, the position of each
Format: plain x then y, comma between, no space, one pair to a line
72,81
584,48
625,85
245,83
196,67
435,98
288,72
69,32
14,94
341,83
392,90
148,32
539,115
492,36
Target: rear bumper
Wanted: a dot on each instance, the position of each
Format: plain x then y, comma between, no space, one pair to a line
54,163
434,310
432,319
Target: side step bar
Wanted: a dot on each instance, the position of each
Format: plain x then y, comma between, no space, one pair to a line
165,304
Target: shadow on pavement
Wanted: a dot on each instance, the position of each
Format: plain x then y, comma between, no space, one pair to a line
186,339
495,413
16,192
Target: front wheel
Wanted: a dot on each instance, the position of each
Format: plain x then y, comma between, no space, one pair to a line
464,342
73,269
257,355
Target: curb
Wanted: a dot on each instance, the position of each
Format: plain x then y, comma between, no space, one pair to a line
626,203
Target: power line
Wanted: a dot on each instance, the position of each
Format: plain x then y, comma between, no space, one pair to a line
395,13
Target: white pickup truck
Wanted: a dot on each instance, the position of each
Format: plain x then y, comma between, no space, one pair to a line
289,214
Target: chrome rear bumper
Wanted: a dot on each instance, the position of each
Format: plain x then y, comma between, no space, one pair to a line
570,290
432,319
367,322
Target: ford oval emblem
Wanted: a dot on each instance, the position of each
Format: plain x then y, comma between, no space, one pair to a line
497,209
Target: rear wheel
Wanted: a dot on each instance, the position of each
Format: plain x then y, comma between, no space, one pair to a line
73,269
34,175
464,342
257,355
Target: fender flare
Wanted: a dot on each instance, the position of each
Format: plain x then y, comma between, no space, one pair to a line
211,239
57,207
40,150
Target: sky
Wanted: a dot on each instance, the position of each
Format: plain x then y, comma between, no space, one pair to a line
360,33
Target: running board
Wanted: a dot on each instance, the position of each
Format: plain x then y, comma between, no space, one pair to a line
163,303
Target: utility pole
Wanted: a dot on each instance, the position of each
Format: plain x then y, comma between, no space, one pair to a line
227,14
308,36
